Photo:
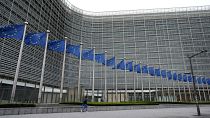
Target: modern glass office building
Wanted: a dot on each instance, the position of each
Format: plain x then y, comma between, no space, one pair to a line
159,38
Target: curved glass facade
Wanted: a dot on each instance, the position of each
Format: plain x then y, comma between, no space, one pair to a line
162,38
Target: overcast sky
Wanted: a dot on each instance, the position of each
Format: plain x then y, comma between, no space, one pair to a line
115,5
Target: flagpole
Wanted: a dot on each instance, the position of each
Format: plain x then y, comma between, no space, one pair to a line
93,82
63,69
199,93
137,81
164,87
156,93
168,87
79,76
134,83
174,89
150,96
43,68
162,93
142,84
188,84
207,86
185,95
180,97
137,85
156,90
125,99
105,86
204,94
116,93
18,65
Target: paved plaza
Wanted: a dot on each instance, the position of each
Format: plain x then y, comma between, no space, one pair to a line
184,112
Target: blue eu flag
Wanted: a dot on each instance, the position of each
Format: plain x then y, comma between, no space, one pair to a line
199,81
189,78
144,69
151,71
137,68
129,66
73,49
12,31
157,72
88,54
169,75
56,45
163,73
175,76
36,39
204,80
185,78
208,81
110,62
100,58
121,65
180,77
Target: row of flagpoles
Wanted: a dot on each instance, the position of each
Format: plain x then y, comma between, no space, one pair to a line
19,32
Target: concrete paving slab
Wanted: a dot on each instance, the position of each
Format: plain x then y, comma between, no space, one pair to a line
187,112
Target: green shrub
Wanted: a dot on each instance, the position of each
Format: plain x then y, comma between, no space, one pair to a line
182,102
71,103
112,103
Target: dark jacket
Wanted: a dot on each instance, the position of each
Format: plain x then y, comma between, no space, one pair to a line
85,101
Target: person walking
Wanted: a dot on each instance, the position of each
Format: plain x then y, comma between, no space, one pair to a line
84,104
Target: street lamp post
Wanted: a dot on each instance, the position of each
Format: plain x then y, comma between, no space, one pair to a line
194,87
